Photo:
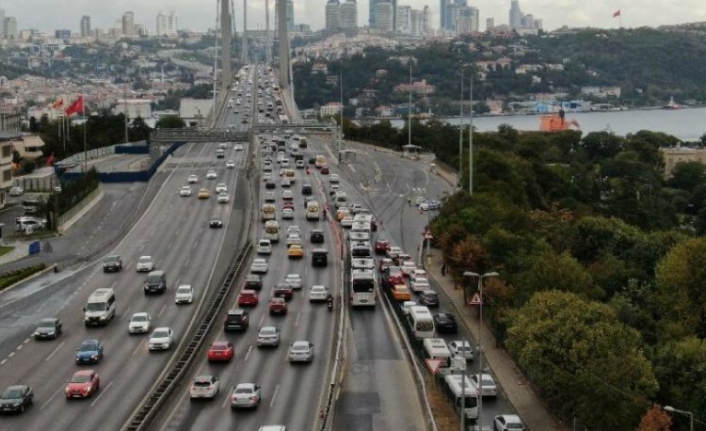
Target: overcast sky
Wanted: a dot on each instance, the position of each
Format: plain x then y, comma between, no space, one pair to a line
49,15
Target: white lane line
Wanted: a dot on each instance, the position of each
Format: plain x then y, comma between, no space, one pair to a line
140,248
188,260
352,169
102,391
11,354
128,266
51,398
225,401
247,355
296,322
274,396
126,313
54,351
115,283
26,340
139,347
20,347
178,280
262,320
169,246
3,362
164,307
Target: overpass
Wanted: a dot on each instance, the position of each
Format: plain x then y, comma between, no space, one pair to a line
299,127
168,136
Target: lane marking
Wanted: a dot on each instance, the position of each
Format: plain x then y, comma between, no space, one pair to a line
102,391
115,283
188,260
262,320
51,398
296,322
54,352
139,347
225,401
11,354
3,362
126,313
164,307
247,355
27,340
274,396
352,168
20,347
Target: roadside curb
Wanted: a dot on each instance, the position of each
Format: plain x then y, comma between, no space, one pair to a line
30,278
76,217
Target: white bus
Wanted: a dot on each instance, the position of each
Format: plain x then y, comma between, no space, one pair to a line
272,230
422,322
363,284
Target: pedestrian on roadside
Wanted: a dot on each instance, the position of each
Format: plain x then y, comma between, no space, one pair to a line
443,270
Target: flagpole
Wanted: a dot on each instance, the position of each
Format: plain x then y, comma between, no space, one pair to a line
85,126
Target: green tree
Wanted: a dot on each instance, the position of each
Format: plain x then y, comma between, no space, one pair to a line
681,369
170,122
584,361
688,176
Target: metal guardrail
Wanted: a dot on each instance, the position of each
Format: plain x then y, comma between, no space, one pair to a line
152,404
197,135
304,127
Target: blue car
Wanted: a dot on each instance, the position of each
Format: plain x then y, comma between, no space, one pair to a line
90,352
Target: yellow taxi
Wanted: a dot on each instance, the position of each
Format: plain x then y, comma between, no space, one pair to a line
204,194
295,250
401,293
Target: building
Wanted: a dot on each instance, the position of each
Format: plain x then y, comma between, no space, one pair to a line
6,149
2,22
418,87
384,16
521,23
28,146
333,15
372,11
680,154
10,28
166,24
349,16
489,24
128,23
195,111
404,19
468,20
134,107
85,26
443,8
290,16
64,35
330,109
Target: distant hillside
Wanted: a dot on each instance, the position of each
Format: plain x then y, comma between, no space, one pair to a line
11,71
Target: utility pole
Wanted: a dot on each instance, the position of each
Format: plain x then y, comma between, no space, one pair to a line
409,108
460,135
127,139
225,45
470,140
283,44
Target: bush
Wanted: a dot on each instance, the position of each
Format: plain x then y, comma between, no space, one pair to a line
12,277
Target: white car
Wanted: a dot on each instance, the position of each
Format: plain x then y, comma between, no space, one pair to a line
420,285
347,222
258,266
193,179
211,175
393,252
419,200
140,323
301,351
16,191
184,294
204,387
267,167
287,214
417,273
294,229
185,191
508,423
221,188
318,293
223,198
294,281
238,147
144,264
300,164
268,336
424,206
245,395
270,197
462,349
333,178
407,305
264,246
287,195
408,267
284,163
230,164
490,389
161,338
286,182
267,176
294,239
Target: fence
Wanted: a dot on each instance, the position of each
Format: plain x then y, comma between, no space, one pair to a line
68,215
37,184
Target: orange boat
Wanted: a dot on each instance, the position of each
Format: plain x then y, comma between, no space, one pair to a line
557,123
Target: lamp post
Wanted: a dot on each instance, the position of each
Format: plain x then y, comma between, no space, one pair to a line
480,278
409,108
460,135
470,139
671,409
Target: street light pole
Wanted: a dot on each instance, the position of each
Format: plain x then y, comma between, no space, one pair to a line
470,141
460,135
690,415
480,340
409,108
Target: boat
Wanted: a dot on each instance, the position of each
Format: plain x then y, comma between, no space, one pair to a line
557,123
672,104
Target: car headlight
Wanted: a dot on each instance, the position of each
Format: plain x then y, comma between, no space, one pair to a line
94,356
17,404
50,333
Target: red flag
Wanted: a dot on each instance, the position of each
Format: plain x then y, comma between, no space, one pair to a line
58,104
50,160
75,107
616,13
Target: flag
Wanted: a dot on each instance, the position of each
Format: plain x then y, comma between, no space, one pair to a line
50,160
58,104
75,107
616,13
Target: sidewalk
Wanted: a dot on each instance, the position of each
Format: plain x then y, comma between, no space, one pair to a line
519,393
21,250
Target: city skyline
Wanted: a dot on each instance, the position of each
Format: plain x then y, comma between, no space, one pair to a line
196,15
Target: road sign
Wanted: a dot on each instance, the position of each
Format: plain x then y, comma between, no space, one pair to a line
475,300
433,365
428,236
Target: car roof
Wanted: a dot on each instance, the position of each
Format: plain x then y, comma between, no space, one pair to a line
269,328
84,372
245,385
220,343
300,343
203,378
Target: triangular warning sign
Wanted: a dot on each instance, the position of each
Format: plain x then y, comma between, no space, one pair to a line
433,364
475,300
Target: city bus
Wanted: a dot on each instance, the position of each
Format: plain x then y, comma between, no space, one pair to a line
272,230
363,284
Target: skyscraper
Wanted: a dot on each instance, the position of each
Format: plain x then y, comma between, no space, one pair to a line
349,16
166,24
515,15
333,15
404,19
384,16
394,14
85,27
128,23
2,22
372,10
443,7
10,26
290,16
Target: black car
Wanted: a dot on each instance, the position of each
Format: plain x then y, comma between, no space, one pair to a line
215,223
283,290
253,282
236,320
445,323
16,399
429,298
307,190
112,263
270,184
48,328
316,236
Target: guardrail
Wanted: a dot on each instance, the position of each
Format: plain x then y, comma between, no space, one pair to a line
197,135
151,405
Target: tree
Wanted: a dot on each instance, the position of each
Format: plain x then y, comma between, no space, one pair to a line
170,122
681,368
688,176
655,419
583,360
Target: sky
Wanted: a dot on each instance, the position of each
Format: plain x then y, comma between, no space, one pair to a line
199,15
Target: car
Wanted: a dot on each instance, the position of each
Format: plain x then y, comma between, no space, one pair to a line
140,323
489,388
49,328
342,212
301,351
347,222
287,214
407,305
333,178
318,293
203,194
258,266
300,164
144,264
204,387
508,423
268,336
184,294
253,281
288,205
293,228
16,191
393,252
223,198
384,264
407,267
215,223
285,182
89,352
287,195
245,395
238,146
294,281
112,263
211,175
185,191
324,170
434,205
419,200
335,188
267,167
161,338
283,290
83,384
316,236
401,293
295,251
461,349
230,164
424,206
193,179
270,197
248,297
381,246
277,305
284,163
417,274
16,398
221,188
236,320
393,276
221,351
307,189
293,239
445,323
429,298
264,246
419,285
223,146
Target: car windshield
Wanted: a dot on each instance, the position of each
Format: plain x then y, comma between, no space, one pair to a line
268,331
243,391
300,347
46,324
160,334
81,378
202,383
88,346
12,393
144,260
184,290
513,426
95,306
111,259
219,346
488,381
139,318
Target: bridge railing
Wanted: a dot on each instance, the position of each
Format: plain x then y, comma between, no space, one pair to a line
197,135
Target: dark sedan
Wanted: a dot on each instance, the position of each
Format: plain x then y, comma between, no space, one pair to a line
445,323
283,290
48,328
253,282
16,399
429,298
270,184
215,223
112,264
316,236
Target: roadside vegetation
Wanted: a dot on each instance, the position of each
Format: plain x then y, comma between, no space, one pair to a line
12,277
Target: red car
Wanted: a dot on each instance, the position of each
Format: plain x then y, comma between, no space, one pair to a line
289,205
221,351
283,290
83,384
381,246
394,276
324,170
278,306
248,297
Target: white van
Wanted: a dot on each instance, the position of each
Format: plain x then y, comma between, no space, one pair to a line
422,322
436,348
340,199
100,307
312,210
457,393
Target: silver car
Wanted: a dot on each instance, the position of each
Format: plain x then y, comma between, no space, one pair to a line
301,351
294,281
269,336
140,323
245,395
461,348
204,387
258,266
144,264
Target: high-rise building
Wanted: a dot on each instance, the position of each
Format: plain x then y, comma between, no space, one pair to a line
515,15
85,26
290,16
64,35
524,24
384,16
426,16
2,22
489,24
468,20
166,24
394,14
404,19
333,15
128,23
10,27
349,16
443,7
372,11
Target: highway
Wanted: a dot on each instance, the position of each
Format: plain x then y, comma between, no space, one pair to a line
174,231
